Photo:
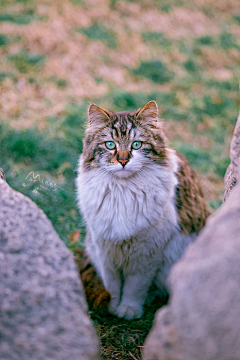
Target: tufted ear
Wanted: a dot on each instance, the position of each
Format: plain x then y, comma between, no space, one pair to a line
96,115
149,112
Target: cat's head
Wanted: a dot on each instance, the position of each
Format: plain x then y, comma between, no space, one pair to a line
124,142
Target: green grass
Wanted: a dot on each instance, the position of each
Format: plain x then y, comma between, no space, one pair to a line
3,76
196,155
53,154
99,32
215,203
23,14
155,70
3,40
228,41
205,40
128,100
78,2
237,18
224,85
156,38
203,160
191,66
61,82
26,62
18,19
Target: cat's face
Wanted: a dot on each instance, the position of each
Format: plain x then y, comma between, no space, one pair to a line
123,143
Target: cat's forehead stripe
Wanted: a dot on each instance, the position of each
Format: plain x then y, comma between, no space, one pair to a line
123,124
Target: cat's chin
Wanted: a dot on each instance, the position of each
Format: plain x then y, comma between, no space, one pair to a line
123,173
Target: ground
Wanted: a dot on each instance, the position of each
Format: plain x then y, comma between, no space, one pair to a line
124,339
58,56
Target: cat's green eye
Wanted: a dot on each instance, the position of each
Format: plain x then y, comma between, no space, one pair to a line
110,145
136,145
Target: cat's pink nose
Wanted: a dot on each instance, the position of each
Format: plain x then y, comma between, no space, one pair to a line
123,162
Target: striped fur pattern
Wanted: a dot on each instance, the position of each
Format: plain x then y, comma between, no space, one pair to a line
96,295
141,202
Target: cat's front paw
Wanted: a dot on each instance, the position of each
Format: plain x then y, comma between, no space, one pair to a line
129,312
112,307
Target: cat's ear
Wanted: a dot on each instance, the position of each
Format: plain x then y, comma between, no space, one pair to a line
149,112
97,115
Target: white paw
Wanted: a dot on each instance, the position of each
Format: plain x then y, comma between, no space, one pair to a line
129,312
112,307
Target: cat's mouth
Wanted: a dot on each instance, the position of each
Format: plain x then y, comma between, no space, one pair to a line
128,170
123,172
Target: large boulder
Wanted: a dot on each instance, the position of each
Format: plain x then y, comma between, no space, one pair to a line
202,320
43,314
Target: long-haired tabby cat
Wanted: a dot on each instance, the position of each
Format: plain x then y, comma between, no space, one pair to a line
141,201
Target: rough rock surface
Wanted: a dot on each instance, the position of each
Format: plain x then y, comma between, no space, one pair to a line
42,305
2,174
202,320
230,178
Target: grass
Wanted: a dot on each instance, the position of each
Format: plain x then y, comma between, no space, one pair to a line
43,166
228,41
26,61
156,38
205,40
154,70
19,19
122,339
237,18
99,32
118,54
24,17
3,40
190,66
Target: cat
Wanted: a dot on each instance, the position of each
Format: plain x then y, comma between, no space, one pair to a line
141,201
96,295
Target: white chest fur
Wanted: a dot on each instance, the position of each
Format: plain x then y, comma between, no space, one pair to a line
117,209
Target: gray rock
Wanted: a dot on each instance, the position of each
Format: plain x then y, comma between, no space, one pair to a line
2,176
231,175
202,320
230,181
43,314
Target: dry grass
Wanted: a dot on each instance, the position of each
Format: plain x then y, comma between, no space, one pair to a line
123,339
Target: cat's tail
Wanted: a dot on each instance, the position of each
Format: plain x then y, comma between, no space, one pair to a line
98,298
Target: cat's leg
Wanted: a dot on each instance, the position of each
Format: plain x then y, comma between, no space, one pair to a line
93,252
113,283
110,276
171,254
134,294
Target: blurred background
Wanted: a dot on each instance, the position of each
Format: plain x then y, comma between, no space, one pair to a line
57,56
